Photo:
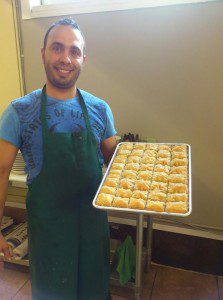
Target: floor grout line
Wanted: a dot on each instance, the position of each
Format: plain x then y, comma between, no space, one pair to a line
151,293
20,289
219,296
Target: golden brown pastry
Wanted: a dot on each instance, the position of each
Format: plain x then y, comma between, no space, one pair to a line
140,194
136,203
134,159
120,202
178,178
126,146
163,153
142,185
117,166
177,188
146,167
151,146
179,155
179,162
113,182
124,152
124,193
126,184
132,166
148,160
163,161
120,159
161,186
162,168
104,200
177,198
179,148
151,153
107,190
137,152
164,147
114,174
145,175
179,170
155,206
156,195
176,207
139,146
129,174
160,176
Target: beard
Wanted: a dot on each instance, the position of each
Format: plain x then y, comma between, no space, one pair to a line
61,82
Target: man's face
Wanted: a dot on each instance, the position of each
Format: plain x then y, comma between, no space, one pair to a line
63,56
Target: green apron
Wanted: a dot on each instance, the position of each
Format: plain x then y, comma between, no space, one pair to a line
68,238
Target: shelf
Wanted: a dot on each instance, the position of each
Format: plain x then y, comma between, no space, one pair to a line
17,180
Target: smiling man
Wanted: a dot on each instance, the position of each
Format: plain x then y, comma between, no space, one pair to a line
65,135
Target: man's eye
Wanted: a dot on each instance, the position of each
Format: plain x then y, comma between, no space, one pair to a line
75,53
56,49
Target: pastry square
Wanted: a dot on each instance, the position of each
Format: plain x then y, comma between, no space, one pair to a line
137,152
124,193
135,203
140,194
126,184
156,195
132,166
163,153
114,174
120,202
179,170
123,152
127,146
179,155
120,159
161,186
151,153
104,200
113,182
162,169
145,175
176,207
117,166
178,178
148,160
142,185
179,148
146,167
163,161
160,176
155,206
177,188
177,198
176,162
151,147
107,190
139,146
129,174
164,147
134,159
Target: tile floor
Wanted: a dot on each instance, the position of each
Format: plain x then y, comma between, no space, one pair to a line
160,283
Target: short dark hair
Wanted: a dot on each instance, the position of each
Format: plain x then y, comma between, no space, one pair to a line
64,22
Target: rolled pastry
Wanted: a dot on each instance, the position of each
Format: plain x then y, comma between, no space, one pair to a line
139,146
163,153
177,188
107,190
148,160
124,193
132,166
120,202
176,207
164,147
134,159
161,186
163,161
177,198
179,162
142,185
179,154
155,206
137,152
126,146
146,167
179,170
136,203
111,182
129,174
162,168
179,148
117,166
151,146
156,195
140,194
151,153
160,176
120,159
126,183
104,200
178,178
145,175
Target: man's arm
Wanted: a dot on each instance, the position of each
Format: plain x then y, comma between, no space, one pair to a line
107,148
7,157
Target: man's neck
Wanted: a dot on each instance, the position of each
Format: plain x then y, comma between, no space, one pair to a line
62,94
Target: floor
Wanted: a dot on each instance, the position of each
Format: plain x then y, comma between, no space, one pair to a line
160,283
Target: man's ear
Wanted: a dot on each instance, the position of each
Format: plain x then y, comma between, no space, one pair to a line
43,55
84,58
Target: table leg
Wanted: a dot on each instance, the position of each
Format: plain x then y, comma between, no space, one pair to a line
139,245
149,242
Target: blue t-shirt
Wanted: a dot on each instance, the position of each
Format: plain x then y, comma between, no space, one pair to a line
20,124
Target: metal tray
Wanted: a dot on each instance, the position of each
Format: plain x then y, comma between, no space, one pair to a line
140,211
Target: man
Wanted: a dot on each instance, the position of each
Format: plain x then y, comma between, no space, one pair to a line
64,134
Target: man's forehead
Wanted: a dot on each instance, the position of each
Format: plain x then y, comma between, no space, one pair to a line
65,34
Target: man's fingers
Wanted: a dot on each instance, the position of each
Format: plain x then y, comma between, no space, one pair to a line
5,250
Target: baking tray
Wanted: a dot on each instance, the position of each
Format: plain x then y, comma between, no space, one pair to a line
146,212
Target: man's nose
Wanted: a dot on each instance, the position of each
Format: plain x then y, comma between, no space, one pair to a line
65,57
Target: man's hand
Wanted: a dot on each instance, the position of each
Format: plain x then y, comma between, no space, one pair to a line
108,148
4,248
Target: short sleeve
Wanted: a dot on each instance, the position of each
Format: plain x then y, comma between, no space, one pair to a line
10,126
109,126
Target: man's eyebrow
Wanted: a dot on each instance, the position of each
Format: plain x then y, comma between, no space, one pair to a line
56,43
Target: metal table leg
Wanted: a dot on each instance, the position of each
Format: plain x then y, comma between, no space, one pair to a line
139,245
149,242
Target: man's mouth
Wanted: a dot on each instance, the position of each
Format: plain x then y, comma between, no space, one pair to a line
63,71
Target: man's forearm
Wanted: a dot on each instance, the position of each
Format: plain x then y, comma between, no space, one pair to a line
4,175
